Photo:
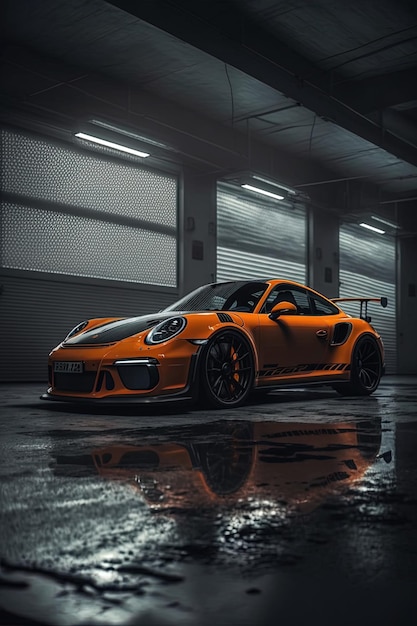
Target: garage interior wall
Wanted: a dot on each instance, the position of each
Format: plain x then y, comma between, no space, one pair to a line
82,235
407,305
259,238
368,269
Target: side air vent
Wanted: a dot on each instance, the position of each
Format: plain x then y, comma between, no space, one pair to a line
340,333
224,317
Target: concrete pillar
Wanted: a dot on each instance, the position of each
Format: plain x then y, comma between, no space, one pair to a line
323,252
407,305
197,236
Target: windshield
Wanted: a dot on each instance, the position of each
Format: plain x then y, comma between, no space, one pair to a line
232,296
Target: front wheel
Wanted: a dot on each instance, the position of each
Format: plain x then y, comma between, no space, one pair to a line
227,369
366,369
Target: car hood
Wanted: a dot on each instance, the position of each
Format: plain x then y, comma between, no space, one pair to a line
118,330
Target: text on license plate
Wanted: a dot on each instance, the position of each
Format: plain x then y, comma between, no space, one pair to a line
69,367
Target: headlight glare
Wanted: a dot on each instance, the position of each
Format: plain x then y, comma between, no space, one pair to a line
165,330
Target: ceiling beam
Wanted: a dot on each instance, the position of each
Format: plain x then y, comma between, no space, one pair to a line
379,92
201,142
204,36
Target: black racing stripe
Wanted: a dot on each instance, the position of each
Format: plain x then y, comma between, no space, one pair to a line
274,370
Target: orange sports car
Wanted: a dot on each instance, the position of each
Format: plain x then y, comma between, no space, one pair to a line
218,344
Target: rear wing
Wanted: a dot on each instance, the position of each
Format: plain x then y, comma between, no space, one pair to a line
363,313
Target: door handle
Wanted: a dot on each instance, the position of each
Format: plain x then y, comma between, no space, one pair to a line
321,334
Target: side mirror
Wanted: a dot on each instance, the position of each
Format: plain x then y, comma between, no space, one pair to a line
282,308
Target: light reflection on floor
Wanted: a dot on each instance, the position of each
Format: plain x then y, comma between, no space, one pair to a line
203,517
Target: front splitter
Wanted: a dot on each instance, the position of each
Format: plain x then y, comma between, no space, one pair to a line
118,399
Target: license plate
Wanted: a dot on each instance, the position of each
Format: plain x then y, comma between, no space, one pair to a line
69,367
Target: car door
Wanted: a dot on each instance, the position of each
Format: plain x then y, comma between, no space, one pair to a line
294,344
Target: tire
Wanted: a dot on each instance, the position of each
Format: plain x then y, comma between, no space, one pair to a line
365,369
227,370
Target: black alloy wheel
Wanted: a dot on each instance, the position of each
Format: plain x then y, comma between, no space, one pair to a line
227,369
366,369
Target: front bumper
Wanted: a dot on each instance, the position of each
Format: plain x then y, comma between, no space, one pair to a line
129,381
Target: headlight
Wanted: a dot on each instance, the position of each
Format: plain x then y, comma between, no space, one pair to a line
166,330
76,329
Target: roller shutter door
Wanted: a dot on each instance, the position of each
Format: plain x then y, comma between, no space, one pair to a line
257,238
368,268
82,235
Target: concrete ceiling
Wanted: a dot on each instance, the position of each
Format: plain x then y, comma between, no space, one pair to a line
328,88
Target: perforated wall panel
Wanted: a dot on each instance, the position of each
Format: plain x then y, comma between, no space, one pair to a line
35,239
36,168
85,214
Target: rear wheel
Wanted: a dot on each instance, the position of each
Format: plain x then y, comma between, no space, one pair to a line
366,369
227,369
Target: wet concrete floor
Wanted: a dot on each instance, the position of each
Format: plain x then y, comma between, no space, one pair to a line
300,507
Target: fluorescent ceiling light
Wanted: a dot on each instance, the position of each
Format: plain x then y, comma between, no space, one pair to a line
384,221
373,228
111,144
270,194
279,186
128,133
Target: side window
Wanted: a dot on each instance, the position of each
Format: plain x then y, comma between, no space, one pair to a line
244,299
302,301
307,303
285,292
322,307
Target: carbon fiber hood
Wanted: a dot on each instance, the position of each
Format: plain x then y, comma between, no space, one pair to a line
116,331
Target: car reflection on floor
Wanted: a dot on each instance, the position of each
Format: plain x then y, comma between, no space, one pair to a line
296,465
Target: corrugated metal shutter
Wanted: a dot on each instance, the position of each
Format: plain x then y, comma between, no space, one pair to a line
258,238
82,235
367,268
37,313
